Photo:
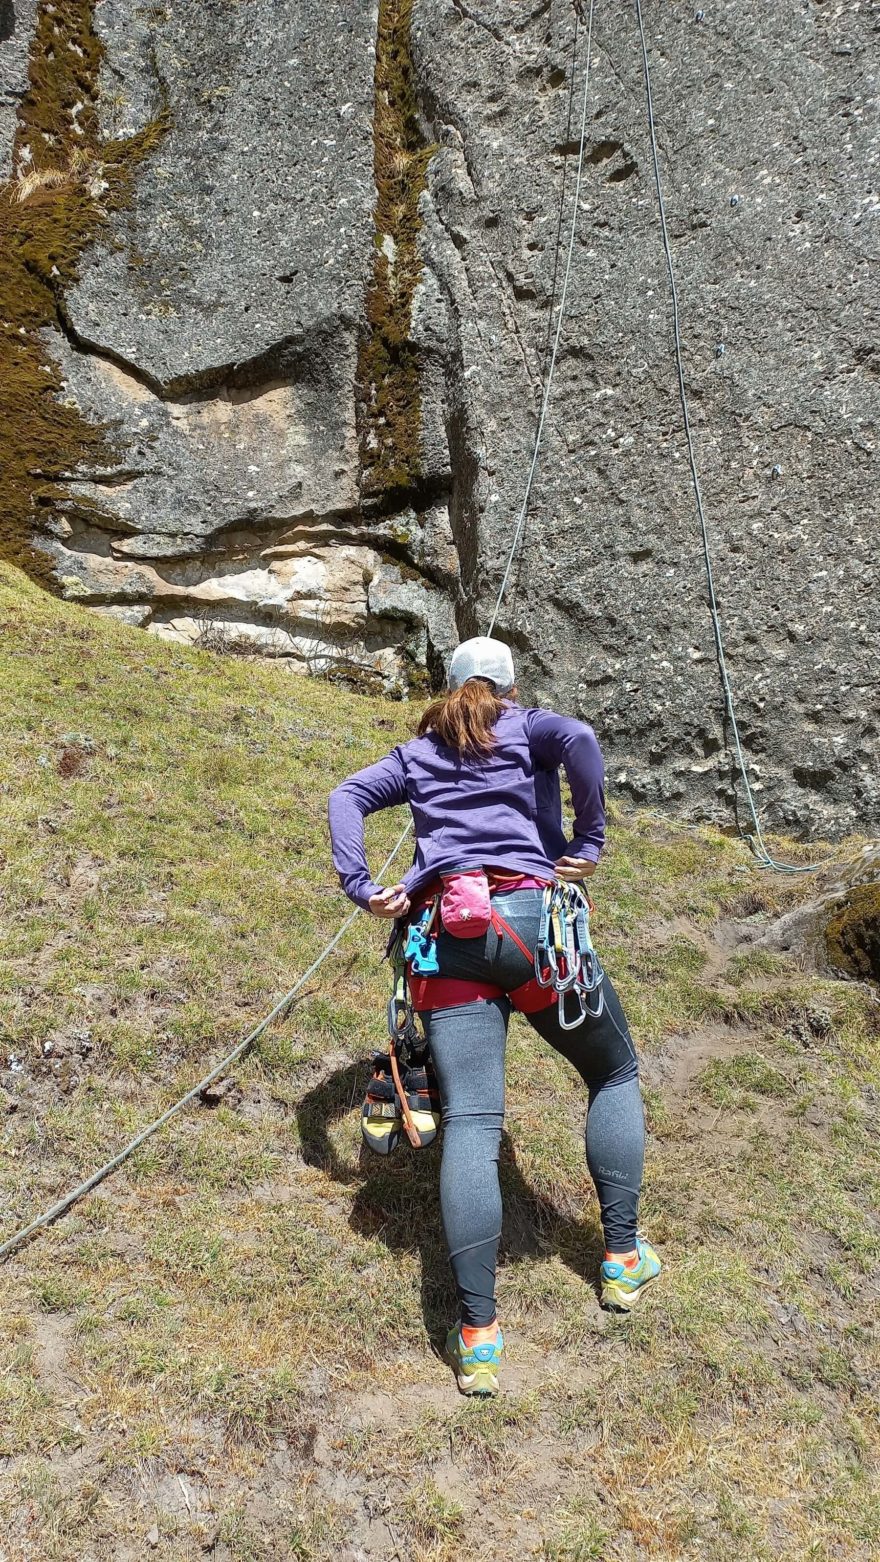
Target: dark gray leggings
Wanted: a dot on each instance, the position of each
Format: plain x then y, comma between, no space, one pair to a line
467,1047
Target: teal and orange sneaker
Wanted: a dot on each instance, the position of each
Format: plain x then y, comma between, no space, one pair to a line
475,1366
622,1286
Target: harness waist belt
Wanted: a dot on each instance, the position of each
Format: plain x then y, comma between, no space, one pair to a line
499,884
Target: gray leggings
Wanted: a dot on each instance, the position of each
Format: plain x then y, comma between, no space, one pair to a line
467,1047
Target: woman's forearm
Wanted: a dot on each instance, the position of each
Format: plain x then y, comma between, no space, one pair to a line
378,786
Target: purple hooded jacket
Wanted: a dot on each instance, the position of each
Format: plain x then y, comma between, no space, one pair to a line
504,811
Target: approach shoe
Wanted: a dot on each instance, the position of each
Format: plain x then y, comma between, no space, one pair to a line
476,1367
381,1118
622,1287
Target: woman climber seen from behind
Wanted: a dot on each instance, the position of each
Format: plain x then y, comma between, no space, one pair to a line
495,920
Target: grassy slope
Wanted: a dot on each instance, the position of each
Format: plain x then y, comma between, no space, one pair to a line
228,1349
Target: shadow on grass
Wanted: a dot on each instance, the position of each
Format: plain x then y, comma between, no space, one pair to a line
397,1200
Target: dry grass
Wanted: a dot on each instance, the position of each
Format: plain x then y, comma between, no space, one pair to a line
230,1349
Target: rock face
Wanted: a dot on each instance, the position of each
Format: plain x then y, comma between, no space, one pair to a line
16,31
318,334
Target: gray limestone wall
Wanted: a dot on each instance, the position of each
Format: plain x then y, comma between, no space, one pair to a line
220,329
16,31
767,127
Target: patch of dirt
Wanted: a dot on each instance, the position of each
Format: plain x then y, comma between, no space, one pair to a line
51,1336
682,1059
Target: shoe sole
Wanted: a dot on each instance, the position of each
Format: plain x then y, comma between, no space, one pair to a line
428,1125
382,1135
482,1384
477,1385
615,1302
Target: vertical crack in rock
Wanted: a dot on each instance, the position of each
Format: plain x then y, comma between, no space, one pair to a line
66,181
388,390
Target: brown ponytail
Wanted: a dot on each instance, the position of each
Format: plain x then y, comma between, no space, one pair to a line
465,718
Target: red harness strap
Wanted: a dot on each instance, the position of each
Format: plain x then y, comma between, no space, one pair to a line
532,997
447,992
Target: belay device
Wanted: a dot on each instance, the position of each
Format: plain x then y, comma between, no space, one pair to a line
421,948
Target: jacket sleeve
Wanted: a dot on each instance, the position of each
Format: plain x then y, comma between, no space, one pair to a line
560,740
378,786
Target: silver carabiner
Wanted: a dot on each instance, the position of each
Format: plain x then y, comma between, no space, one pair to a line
565,1024
594,1014
591,976
542,958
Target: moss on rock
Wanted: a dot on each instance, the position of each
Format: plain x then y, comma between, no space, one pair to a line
67,181
852,933
389,403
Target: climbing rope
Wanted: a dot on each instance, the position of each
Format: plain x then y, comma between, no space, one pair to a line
548,384
755,840
226,1063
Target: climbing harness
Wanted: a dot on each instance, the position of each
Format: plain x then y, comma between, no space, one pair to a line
564,962
565,958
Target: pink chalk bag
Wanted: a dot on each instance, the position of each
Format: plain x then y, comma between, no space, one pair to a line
465,904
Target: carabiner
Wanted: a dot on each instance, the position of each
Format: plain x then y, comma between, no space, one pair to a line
565,1024
544,978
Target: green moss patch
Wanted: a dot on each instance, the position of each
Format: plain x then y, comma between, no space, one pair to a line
68,180
852,934
389,414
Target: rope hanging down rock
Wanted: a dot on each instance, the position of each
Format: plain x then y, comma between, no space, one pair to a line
563,299
755,840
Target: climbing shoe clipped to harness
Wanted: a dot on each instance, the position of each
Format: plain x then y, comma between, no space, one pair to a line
423,1099
381,1116
403,1096
383,1123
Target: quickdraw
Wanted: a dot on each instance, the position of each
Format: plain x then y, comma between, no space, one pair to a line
565,958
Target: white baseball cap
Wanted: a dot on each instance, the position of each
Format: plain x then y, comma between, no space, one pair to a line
482,658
